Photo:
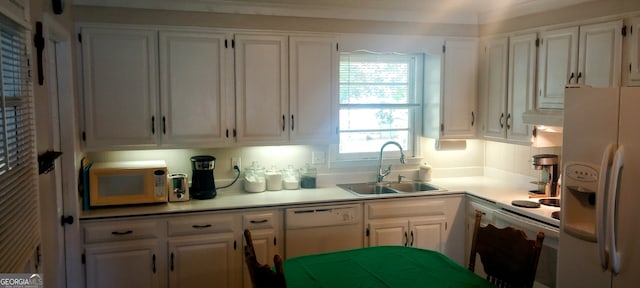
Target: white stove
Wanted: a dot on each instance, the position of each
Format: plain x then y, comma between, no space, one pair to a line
542,214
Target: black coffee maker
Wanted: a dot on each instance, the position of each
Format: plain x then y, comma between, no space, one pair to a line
203,185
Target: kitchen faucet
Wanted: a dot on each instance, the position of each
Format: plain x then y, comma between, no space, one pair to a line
385,172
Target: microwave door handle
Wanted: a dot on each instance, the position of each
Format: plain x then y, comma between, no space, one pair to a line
618,164
600,205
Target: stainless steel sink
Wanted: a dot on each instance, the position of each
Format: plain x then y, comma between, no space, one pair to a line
388,188
367,188
413,187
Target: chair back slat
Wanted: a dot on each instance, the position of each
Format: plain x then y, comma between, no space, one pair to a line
508,257
262,276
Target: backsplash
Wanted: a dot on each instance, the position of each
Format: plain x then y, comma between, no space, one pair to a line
472,161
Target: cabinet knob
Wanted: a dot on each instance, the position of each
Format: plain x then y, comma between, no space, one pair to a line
66,220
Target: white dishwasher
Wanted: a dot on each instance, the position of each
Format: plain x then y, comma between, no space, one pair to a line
320,229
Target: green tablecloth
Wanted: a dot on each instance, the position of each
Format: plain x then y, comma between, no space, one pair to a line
381,266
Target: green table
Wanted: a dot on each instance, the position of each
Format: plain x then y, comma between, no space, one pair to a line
380,266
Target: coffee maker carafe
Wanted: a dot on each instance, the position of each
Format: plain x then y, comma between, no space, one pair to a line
548,166
202,183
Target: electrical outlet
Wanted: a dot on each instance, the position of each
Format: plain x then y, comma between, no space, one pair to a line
236,161
317,157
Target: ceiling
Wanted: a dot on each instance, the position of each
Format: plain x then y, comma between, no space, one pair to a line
427,11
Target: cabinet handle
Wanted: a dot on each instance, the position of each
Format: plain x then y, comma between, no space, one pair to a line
292,123
501,118
154,263
164,126
259,221
227,133
171,261
119,233
579,76
411,238
570,77
201,226
508,119
406,238
153,125
473,118
282,122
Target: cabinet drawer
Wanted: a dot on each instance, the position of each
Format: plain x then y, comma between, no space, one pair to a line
405,209
200,225
120,230
265,220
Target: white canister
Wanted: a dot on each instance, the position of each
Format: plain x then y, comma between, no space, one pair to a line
274,179
424,173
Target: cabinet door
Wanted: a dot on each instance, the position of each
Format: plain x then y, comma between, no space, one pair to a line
127,264
494,85
600,54
192,74
313,64
262,89
633,52
521,85
557,66
120,94
458,117
388,232
427,232
200,261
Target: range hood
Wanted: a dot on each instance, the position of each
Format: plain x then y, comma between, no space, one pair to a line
547,117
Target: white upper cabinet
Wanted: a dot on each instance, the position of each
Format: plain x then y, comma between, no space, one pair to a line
589,55
557,65
313,64
120,87
193,83
632,53
285,89
521,86
262,88
493,85
458,104
600,54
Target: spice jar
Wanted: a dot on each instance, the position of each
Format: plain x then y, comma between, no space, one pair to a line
254,180
308,176
290,178
274,179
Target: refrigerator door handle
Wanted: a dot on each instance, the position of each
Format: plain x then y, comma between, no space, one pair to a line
618,163
600,205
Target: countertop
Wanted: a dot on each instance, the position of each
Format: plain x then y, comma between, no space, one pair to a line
499,191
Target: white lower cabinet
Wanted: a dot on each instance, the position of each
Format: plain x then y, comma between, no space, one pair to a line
422,223
175,251
203,250
124,254
131,264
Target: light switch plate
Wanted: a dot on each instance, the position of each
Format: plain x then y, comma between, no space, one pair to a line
317,157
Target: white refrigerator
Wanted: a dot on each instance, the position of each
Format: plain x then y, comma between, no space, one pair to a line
599,242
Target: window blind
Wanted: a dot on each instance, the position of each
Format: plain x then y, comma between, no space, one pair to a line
19,217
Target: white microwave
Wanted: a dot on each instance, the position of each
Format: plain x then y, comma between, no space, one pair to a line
128,182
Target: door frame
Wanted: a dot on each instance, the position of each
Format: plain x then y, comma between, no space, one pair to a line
70,148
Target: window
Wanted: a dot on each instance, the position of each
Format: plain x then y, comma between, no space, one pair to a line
19,218
379,97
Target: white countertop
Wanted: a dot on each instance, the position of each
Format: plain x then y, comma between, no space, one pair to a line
499,191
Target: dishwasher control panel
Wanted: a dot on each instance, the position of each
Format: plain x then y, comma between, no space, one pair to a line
323,216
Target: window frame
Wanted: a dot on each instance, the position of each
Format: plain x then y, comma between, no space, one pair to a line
415,112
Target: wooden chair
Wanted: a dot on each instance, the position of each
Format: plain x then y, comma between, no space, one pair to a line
508,257
262,276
